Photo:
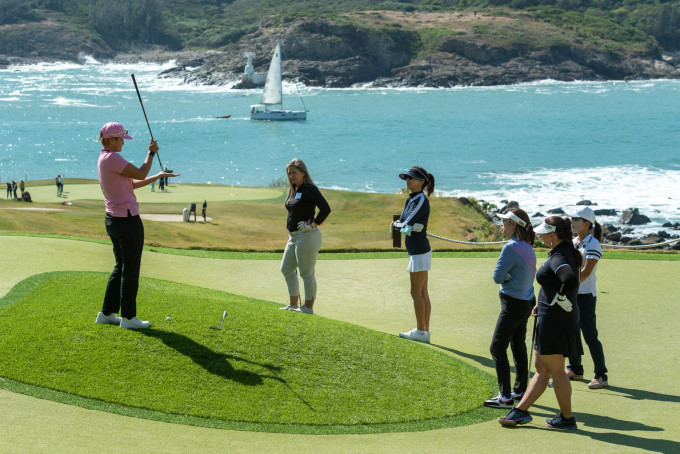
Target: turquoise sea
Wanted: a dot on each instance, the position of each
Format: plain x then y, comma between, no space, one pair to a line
545,145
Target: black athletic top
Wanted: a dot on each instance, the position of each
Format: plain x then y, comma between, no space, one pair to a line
416,211
558,274
302,206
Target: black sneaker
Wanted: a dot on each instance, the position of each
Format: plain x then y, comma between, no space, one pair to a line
514,417
560,422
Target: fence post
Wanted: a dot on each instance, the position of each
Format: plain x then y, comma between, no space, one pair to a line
396,234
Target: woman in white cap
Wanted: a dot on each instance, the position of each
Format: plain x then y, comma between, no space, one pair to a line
588,236
557,334
304,236
515,271
413,224
118,180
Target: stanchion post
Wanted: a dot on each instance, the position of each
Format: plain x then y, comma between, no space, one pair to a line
396,234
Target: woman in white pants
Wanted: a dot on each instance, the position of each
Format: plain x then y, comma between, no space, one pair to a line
304,236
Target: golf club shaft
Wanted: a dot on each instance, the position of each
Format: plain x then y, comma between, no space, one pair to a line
145,117
531,347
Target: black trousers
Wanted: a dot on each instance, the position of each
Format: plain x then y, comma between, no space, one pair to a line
588,325
127,236
511,329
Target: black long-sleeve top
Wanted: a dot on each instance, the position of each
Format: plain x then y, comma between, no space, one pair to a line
558,274
303,205
416,211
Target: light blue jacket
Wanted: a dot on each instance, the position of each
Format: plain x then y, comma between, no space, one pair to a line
516,269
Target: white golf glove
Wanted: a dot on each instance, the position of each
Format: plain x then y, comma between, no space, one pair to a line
305,226
396,225
563,301
418,227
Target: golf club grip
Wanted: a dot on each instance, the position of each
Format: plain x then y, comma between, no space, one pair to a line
134,81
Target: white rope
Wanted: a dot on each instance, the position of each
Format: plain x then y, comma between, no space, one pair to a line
466,242
641,246
636,246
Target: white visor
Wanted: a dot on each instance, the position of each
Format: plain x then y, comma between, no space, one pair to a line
513,217
544,228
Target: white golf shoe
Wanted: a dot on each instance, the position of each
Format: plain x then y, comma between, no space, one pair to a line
304,310
111,319
133,323
416,335
289,308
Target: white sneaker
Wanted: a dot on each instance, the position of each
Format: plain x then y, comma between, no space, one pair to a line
289,308
304,310
416,335
111,319
133,323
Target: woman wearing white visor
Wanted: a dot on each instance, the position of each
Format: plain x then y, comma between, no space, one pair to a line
588,236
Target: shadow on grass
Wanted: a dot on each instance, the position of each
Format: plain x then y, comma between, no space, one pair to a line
586,420
484,361
641,394
214,362
218,363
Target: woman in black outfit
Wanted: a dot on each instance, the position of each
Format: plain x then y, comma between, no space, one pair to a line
558,336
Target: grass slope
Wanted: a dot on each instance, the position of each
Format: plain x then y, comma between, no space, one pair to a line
267,370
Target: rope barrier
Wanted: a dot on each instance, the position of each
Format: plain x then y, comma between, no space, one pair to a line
466,242
640,246
622,246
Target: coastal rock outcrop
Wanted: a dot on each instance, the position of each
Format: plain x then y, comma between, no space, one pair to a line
632,216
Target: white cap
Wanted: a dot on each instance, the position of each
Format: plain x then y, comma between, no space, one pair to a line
513,217
544,228
584,213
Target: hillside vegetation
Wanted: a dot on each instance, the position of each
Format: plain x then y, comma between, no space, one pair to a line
211,24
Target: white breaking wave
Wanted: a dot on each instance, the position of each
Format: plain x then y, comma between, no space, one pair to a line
655,192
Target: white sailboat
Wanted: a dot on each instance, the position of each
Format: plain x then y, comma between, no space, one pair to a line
271,104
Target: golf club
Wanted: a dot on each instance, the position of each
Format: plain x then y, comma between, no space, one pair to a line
224,315
531,347
147,120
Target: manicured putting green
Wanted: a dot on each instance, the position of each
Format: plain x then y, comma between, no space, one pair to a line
267,370
176,193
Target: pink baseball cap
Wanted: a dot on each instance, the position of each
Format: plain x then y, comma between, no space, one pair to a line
113,129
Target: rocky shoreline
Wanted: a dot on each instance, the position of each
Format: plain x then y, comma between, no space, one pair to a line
621,236
323,53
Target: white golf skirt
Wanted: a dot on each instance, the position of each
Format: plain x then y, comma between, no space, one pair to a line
420,262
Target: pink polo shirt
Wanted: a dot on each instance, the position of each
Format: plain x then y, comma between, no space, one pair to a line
119,195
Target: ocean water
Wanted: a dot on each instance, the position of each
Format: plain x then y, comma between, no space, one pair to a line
544,145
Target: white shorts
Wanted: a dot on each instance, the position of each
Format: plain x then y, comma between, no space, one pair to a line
420,262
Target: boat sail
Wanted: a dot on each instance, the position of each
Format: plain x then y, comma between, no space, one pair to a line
271,104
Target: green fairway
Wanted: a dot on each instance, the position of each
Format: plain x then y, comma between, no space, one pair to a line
638,304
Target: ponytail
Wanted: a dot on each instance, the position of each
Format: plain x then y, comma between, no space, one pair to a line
597,232
429,187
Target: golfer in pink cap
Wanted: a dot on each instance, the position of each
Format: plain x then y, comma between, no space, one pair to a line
118,180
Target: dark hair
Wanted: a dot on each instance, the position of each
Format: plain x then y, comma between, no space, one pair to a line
525,233
563,232
428,186
596,229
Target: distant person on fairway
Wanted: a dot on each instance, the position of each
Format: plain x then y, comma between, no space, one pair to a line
118,180
515,271
413,224
304,236
557,336
588,236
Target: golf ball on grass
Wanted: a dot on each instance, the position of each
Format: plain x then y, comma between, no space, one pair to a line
168,318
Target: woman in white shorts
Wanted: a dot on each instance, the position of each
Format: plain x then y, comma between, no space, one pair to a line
413,224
